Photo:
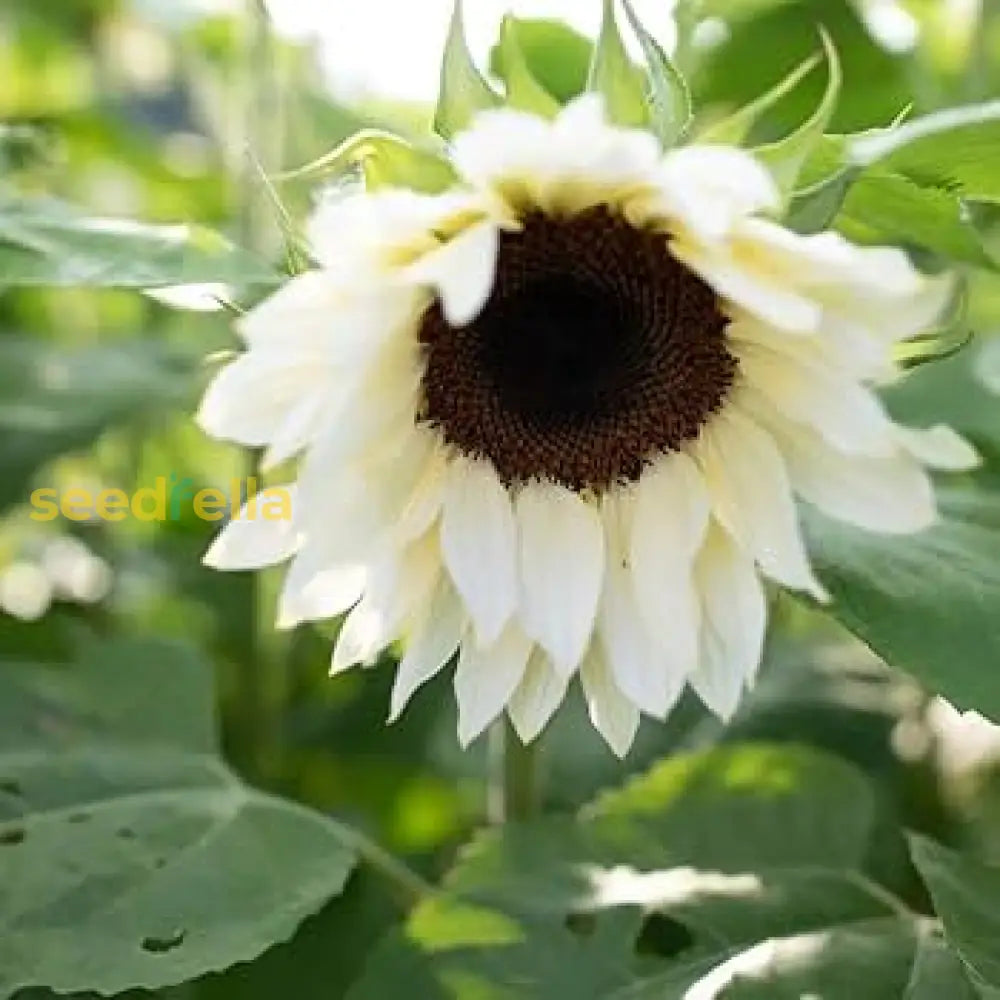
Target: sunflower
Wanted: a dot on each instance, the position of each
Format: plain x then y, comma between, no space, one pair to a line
554,420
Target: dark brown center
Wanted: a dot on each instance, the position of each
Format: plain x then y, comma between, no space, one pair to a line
596,352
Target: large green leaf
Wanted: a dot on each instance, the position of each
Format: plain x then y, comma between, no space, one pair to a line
938,972
716,851
956,150
966,895
130,856
54,400
926,603
44,242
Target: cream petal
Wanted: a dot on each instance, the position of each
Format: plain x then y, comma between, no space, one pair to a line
297,314
486,678
746,286
939,447
461,271
734,621
636,663
433,643
248,543
710,187
536,698
479,540
562,564
671,517
251,399
395,588
752,497
804,387
315,590
888,495
612,714
502,145
300,428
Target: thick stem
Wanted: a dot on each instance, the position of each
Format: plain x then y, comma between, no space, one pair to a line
514,793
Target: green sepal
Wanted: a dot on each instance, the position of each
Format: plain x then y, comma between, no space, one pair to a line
616,78
733,129
949,337
463,91
557,57
385,161
786,157
524,91
669,96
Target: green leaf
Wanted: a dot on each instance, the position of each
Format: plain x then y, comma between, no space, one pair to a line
966,895
129,854
670,97
464,92
786,157
616,78
956,150
938,972
56,401
557,57
524,91
386,161
925,603
733,129
45,242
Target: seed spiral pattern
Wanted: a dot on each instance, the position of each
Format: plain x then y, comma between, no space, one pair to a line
596,352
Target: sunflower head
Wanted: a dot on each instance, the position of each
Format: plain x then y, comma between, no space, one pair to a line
555,388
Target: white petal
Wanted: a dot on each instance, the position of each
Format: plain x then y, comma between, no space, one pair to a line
887,495
395,588
745,284
562,563
537,697
315,590
300,428
486,678
638,666
297,314
461,271
939,448
255,542
250,400
613,715
432,645
734,620
752,497
479,539
671,516
501,145
711,187
806,388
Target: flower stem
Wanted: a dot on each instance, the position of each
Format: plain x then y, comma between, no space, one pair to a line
514,782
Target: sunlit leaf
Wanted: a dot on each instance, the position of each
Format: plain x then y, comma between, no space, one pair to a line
956,150
733,129
670,97
557,56
524,91
464,92
386,161
786,157
44,242
616,78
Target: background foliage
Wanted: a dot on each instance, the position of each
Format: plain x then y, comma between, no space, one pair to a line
188,806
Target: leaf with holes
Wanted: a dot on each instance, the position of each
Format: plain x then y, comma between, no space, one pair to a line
130,856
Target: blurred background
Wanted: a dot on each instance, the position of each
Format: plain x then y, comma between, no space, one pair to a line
174,111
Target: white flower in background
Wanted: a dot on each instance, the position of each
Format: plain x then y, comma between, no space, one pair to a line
555,420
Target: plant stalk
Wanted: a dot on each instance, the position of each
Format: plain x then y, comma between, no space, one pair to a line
515,787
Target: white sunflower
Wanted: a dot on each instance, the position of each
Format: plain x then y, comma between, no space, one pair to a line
555,421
